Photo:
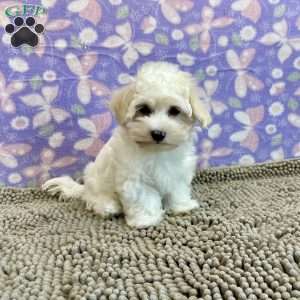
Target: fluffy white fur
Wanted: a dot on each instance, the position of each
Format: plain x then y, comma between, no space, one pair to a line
135,174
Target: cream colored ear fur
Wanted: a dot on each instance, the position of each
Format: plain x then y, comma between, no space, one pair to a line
120,101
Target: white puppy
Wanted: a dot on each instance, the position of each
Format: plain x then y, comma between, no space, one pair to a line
148,164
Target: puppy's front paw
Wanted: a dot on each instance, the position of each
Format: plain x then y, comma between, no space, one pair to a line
103,205
144,221
184,206
107,209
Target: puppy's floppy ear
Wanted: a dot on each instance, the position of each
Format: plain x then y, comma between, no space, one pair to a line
120,101
199,111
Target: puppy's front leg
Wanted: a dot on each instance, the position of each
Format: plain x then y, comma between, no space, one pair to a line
142,204
179,199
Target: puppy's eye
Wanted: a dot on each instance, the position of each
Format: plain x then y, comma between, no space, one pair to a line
144,110
173,111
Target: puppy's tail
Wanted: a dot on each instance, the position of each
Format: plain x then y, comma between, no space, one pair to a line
65,186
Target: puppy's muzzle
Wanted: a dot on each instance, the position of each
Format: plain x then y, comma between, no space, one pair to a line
158,136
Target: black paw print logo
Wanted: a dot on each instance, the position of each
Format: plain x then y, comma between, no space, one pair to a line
24,33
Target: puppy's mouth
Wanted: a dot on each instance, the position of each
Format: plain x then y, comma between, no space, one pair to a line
155,144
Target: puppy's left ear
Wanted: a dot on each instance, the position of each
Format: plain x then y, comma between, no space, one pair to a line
120,101
199,111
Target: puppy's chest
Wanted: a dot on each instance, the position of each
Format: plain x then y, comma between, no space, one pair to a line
161,172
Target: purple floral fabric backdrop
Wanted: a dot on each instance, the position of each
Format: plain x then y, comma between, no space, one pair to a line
245,55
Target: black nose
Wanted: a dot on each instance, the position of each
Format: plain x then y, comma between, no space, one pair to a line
158,135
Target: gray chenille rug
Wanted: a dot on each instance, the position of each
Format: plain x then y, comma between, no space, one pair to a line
243,243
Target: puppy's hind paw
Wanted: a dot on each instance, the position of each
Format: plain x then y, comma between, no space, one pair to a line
57,192
65,186
53,190
52,185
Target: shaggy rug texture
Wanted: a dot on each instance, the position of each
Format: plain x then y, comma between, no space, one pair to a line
243,243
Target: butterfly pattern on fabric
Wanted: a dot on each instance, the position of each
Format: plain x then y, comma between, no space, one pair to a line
90,10
171,9
7,91
250,9
86,85
206,94
248,137
44,103
41,171
206,25
244,80
133,49
94,126
279,37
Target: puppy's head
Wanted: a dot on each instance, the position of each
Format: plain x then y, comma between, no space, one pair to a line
160,107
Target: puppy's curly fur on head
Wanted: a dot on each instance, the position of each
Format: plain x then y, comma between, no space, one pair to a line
148,164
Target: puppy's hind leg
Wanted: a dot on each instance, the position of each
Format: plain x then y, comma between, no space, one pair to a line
99,193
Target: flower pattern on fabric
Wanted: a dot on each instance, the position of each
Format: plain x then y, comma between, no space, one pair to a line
244,55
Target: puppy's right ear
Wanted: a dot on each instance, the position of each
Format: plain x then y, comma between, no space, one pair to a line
120,101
